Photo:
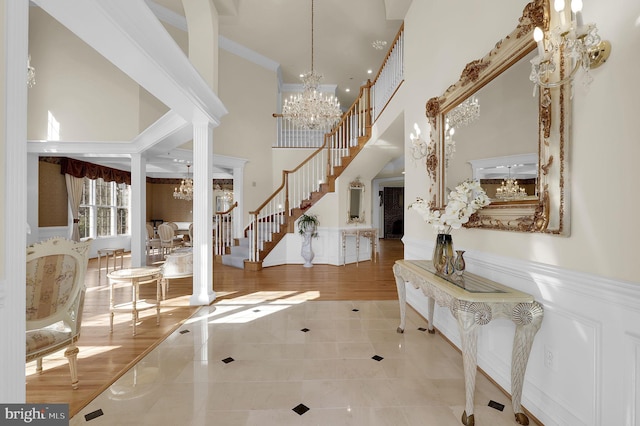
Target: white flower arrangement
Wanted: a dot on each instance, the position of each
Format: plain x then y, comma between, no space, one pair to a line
467,198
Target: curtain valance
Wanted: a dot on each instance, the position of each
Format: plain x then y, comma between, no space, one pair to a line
82,169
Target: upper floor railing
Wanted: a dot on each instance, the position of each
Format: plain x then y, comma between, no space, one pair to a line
291,136
390,76
384,86
332,146
298,184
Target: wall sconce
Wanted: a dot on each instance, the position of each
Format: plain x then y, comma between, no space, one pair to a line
579,45
418,145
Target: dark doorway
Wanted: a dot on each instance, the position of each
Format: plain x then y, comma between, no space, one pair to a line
393,199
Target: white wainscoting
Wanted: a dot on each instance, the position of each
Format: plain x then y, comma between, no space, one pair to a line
327,249
123,241
633,385
584,367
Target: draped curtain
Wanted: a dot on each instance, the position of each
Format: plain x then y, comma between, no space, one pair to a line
74,192
74,173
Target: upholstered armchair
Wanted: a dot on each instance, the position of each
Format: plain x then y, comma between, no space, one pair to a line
55,290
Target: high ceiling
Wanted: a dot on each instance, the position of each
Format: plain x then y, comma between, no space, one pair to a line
274,33
344,31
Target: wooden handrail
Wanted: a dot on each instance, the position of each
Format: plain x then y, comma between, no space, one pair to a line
285,174
223,235
233,206
386,58
345,135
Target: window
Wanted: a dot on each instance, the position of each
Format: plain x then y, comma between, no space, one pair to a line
104,209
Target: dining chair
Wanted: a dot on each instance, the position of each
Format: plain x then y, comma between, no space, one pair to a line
168,241
153,243
190,242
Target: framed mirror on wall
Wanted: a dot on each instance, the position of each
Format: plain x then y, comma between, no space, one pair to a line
488,119
355,200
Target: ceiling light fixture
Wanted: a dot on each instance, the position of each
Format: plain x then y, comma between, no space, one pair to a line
311,109
510,190
185,191
379,44
465,113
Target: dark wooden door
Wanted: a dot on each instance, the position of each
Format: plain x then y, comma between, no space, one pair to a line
393,200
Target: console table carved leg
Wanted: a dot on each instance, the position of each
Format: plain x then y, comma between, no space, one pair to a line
528,318
402,299
469,342
431,305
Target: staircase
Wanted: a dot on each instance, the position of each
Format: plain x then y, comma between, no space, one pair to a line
237,254
300,188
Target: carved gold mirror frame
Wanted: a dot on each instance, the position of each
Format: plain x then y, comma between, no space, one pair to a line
549,213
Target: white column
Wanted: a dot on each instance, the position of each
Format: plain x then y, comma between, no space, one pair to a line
14,16
238,195
203,293
138,210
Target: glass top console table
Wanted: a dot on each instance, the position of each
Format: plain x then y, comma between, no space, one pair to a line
475,301
370,233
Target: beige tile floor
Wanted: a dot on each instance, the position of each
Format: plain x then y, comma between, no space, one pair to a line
276,366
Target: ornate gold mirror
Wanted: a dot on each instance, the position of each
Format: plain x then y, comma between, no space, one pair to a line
355,214
501,135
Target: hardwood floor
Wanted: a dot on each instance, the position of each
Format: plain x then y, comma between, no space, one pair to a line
104,357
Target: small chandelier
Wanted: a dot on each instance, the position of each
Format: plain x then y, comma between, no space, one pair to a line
185,191
31,74
577,44
311,109
379,44
510,190
449,143
465,113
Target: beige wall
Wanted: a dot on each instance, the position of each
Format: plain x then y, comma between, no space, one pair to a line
604,148
90,98
150,108
162,205
52,196
249,93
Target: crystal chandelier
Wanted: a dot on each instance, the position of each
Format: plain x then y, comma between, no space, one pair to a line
185,191
379,44
510,190
311,109
449,143
573,43
465,113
